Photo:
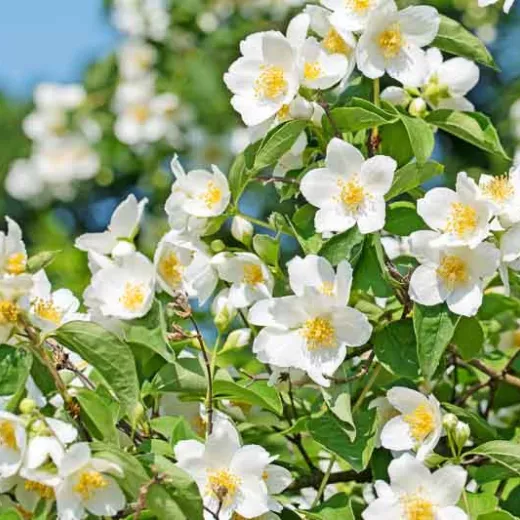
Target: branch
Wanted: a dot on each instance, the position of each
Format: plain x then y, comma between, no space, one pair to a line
268,179
494,375
316,477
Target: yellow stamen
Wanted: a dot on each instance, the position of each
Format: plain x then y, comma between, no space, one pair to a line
453,270
89,482
352,194
421,422
499,189
252,274
335,44
199,425
224,485
9,312
463,219
359,5
40,489
312,70
16,263
417,508
327,288
46,310
283,113
212,195
141,113
271,82
170,269
391,41
133,296
319,333
8,435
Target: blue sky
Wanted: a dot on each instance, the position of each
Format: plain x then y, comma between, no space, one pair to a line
50,40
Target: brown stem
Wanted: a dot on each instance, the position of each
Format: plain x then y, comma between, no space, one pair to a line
495,375
316,477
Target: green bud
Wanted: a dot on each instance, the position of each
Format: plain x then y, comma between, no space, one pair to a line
237,339
217,246
450,421
418,107
40,428
461,434
242,230
27,406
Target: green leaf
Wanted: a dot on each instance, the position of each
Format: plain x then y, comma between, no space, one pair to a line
453,38
278,142
328,431
112,359
15,365
503,453
434,327
258,393
469,338
472,127
396,348
336,507
176,499
41,260
267,248
420,136
479,503
402,219
10,514
183,375
481,430
412,175
97,416
175,429
344,246
149,332
497,515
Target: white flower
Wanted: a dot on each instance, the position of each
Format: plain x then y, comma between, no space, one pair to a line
462,216
227,472
13,443
503,192
242,230
397,96
196,195
13,292
13,255
250,278
507,4
349,190
23,181
353,15
418,426
510,255
447,82
183,263
50,309
124,225
136,58
265,78
385,412
392,42
416,493
310,332
56,96
87,485
454,274
125,289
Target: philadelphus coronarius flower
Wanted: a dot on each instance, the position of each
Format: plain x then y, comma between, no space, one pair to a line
503,192
87,485
13,296
13,443
417,425
232,478
416,493
136,58
310,330
454,274
353,15
249,277
392,42
13,255
462,216
118,238
349,190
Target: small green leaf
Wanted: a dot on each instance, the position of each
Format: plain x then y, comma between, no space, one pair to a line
503,453
469,338
336,507
267,248
15,365
183,375
96,415
472,127
258,393
41,260
112,358
478,504
402,219
500,514
420,136
412,175
10,514
434,327
453,38
344,246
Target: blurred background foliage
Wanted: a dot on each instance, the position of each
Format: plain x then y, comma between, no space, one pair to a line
201,39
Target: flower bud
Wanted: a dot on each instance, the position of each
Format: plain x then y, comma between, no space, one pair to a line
123,248
27,406
461,434
300,108
450,421
237,339
397,96
39,428
242,230
417,107
222,310
217,246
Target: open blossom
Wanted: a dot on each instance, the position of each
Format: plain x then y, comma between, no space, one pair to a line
393,41
13,443
417,425
454,274
265,78
238,477
13,255
353,15
249,277
13,296
123,289
503,193
195,196
416,493
349,190
123,226
311,330
136,58
87,485
184,264
462,216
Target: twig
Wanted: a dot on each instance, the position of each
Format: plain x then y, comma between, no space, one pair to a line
326,107
316,477
366,389
212,513
324,482
143,493
493,374
268,179
364,370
